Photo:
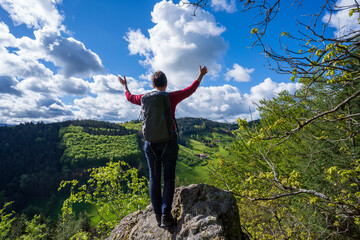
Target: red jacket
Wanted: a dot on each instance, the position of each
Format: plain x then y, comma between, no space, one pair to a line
175,97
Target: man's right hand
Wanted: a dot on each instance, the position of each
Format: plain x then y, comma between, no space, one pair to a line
202,70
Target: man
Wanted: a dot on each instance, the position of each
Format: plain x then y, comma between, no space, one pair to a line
162,203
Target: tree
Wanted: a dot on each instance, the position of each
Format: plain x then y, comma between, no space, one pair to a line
35,229
296,174
9,225
6,220
114,191
306,185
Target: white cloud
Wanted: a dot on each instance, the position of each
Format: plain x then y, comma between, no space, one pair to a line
214,103
37,85
109,102
6,38
71,85
32,107
8,85
341,20
113,108
109,84
224,5
138,43
239,73
35,73
33,13
269,89
106,84
179,43
67,53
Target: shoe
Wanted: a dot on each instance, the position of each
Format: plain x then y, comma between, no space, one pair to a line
167,220
158,219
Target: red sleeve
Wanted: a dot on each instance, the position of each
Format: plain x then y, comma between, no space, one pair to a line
135,99
178,96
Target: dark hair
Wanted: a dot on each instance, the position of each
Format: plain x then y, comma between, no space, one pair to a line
159,79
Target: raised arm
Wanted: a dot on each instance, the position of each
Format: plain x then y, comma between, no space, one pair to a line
135,99
123,82
202,71
178,96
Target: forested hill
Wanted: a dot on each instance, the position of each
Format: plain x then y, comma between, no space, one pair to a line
34,158
192,125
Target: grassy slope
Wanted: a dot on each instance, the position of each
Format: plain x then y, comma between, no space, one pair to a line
201,173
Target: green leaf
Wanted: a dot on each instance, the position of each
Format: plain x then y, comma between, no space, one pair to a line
254,30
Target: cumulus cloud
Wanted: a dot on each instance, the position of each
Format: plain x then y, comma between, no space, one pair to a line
179,43
6,38
269,89
109,102
224,5
12,64
105,107
341,20
239,73
36,72
71,85
32,107
70,55
109,84
213,103
106,84
8,85
33,13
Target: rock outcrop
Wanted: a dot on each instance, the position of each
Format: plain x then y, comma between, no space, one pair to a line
202,212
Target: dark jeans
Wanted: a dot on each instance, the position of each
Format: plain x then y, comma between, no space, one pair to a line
162,203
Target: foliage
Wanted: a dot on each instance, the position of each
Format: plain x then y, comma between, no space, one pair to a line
296,174
189,126
35,229
30,166
84,149
98,127
73,227
188,157
29,156
80,236
114,190
6,221
134,126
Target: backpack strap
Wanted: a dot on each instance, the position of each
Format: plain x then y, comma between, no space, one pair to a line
158,159
176,127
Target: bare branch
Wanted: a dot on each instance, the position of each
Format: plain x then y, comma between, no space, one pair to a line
299,191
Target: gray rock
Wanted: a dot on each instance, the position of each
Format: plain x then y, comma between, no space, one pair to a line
202,212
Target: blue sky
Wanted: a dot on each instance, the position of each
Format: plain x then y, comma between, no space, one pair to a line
59,58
